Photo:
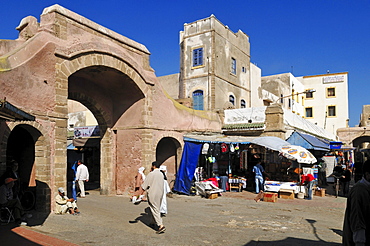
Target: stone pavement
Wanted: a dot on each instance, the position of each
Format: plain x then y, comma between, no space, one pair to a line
232,219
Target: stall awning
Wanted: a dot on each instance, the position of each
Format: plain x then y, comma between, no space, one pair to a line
308,141
10,112
217,138
86,142
270,142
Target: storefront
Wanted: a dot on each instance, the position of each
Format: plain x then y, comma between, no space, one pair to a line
208,156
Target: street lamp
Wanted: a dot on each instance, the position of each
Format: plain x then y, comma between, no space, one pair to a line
298,93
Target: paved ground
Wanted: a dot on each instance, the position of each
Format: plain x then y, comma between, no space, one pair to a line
233,219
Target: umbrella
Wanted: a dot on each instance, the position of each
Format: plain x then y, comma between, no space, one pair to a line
297,153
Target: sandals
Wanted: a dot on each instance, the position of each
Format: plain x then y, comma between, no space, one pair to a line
161,230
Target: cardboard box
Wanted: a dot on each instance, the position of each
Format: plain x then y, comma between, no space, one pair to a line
320,192
270,197
213,196
286,194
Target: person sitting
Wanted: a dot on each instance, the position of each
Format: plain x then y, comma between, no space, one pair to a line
65,204
7,200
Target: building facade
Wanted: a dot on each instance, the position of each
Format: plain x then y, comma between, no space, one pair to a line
328,105
215,69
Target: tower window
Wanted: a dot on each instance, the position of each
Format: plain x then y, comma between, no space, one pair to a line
197,57
232,99
242,103
233,66
198,100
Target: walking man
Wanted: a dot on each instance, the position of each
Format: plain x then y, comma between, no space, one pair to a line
154,185
82,176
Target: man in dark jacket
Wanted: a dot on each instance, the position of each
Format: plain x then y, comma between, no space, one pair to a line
356,226
345,180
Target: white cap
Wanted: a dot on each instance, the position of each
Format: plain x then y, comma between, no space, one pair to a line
61,190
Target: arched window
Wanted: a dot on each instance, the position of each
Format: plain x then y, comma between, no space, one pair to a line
232,99
198,100
242,103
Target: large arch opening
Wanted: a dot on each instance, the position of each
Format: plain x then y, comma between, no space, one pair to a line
167,152
115,100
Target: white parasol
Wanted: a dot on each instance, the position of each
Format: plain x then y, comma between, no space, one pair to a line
297,153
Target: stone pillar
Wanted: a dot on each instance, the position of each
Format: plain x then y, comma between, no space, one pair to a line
274,122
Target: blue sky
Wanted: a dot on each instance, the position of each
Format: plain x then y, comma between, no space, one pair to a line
305,37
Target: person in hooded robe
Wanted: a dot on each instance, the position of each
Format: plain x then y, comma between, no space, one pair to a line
167,189
139,180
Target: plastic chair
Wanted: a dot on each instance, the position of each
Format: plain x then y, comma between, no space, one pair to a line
7,213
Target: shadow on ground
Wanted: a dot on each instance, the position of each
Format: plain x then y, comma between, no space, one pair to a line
292,242
10,237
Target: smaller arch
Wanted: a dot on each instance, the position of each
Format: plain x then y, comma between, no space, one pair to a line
26,143
357,142
168,152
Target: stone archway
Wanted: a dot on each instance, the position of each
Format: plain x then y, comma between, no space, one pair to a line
110,94
26,143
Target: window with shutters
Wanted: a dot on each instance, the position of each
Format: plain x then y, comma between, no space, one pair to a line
198,100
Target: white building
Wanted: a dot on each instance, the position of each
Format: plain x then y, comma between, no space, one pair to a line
327,107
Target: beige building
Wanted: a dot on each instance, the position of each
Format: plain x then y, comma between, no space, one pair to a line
216,74
215,69
288,91
328,105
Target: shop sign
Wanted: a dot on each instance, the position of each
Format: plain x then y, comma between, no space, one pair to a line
245,115
333,79
86,131
336,145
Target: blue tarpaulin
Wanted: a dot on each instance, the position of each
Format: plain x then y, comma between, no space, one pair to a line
189,162
308,142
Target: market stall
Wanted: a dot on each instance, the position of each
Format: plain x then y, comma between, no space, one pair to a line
207,156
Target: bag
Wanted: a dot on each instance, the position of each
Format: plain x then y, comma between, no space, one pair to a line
232,149
224,148
205,148
211,148
217,151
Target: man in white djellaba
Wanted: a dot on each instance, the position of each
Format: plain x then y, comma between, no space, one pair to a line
82,176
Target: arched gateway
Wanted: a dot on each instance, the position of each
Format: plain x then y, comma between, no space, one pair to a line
67,56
